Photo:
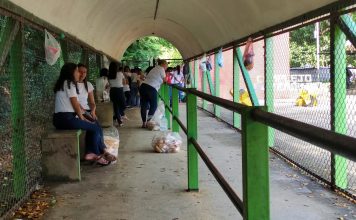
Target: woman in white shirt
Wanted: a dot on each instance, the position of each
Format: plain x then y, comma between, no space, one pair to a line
149,91
102,86
68,114
117,97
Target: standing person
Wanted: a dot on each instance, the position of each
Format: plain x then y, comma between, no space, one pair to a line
127,93
117,97
178,78
149,91
68,114
134,87
102,86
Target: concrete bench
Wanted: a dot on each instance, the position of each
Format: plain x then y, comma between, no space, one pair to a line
61,154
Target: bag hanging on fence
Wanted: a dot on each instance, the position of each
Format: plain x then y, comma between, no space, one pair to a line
52,49
248,54
208,65
203,63
220,58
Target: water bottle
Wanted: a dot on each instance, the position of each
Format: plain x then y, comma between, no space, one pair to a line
163,125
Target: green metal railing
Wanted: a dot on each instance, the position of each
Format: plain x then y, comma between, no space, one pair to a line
255,204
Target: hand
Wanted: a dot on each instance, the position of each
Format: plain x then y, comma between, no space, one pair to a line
93,115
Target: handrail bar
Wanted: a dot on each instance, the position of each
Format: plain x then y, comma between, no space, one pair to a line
336,143
230,192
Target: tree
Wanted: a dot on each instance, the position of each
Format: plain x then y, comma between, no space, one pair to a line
148,48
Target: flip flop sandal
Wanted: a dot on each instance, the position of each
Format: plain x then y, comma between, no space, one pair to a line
109,157
102,162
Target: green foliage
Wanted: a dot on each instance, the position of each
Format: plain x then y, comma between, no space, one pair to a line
148,48
303,46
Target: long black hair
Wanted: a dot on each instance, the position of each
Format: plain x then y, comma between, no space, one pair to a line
178,70
113,68
67,73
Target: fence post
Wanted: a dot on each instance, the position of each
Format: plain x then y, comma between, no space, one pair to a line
236,89
175,109
167,103
217,109
255,168
196,73
18,115
269,98
338,99
204,88
192,126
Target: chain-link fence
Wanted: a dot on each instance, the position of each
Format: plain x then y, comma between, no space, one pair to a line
27,103
296,76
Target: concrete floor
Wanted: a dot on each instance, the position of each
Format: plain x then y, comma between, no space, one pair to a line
147,185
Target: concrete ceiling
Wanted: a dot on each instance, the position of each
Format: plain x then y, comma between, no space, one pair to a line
193,26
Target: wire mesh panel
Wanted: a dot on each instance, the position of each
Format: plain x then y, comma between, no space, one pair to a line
6,159
93,68
302,91
39,79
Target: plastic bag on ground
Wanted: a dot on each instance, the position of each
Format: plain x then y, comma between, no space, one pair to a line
112,140
154,123
167,142
52,48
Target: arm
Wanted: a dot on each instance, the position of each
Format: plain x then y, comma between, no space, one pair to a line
92,104
77,107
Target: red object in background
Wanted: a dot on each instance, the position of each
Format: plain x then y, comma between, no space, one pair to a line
169,77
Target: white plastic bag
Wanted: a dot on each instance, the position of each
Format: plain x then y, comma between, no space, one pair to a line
52,49
167,142
112,141
154,123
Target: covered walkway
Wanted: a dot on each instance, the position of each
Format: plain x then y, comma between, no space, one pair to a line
145,185
148,185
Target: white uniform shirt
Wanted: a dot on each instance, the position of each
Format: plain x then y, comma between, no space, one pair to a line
134,78
101,83
155,77
62,102
177,78
83,95
117,83
126,88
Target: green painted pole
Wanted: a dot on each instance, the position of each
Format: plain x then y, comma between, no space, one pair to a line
64,51
196,74
236,90
192,126
348,26
255,168
7,35
191,76
210,82
247,79
167,103
18,116
217,109
175,109
338,101
269,98
204,85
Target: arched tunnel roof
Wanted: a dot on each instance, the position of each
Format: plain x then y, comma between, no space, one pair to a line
193,26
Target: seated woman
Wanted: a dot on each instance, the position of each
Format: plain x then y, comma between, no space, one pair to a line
69,115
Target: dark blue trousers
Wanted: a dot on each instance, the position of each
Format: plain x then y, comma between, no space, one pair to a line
117,98
93,139
148,101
